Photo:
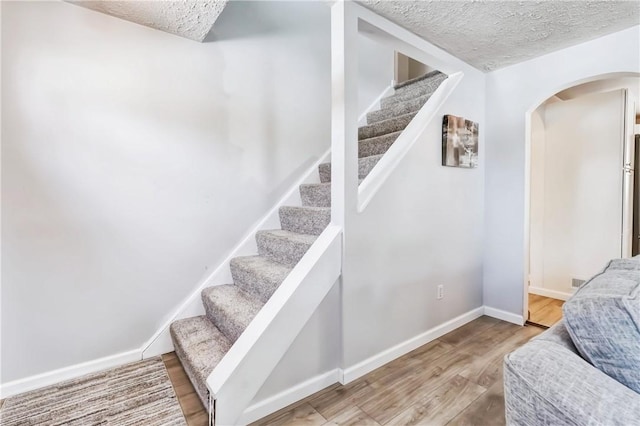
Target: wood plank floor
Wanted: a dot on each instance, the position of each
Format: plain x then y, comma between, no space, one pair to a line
544,310
194,412
454,380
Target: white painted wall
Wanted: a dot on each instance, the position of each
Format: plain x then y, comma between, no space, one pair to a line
581,171
134,160
512,93
314,352
375,71
422,228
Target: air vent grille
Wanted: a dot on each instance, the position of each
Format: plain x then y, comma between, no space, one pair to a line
576,283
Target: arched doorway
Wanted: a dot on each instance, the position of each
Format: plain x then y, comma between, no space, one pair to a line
578,188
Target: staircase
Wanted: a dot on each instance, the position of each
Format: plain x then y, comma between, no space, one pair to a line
201,342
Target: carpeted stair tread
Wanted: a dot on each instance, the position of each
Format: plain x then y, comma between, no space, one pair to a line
258,275
376,146
397,110
304,220
283,246
200,346
415,80
316,194
365,165
230,309
387,126
417,91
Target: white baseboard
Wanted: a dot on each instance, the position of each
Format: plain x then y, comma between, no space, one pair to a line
550,293
388,355
503,315
160,342
74,371
289,396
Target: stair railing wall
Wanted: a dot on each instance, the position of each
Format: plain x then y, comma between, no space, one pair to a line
238,377
347,18
411,134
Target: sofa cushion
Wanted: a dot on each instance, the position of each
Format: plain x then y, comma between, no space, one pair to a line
603,320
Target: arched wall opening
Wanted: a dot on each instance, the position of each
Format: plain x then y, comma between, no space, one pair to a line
578,216
512,93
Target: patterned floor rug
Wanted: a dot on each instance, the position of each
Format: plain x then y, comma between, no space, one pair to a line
134,394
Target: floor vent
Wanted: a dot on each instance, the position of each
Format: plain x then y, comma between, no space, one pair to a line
576,283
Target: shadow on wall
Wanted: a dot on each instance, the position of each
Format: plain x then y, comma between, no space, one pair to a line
256,18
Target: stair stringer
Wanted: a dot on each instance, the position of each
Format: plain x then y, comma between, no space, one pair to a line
409,136
191,306
243,370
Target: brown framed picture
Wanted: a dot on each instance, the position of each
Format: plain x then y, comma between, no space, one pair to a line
459,142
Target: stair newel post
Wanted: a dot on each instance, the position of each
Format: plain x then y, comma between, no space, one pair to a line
344,117
344,113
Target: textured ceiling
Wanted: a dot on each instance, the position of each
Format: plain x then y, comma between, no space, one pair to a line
494,34
187,18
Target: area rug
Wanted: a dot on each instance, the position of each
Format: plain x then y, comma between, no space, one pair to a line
139,393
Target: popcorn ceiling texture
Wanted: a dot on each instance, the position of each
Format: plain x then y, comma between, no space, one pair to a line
189,19
494,34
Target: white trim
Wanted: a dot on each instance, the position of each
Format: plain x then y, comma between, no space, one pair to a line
289,396
160,342
388,355
56,376
503,315
375,105
400,148
550,293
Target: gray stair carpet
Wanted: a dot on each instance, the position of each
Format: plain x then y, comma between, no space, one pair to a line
202,341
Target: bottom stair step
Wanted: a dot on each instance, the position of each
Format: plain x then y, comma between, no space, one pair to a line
200,346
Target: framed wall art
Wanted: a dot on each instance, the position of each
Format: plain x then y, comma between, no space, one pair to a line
459,142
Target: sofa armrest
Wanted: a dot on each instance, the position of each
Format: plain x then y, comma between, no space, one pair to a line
547,383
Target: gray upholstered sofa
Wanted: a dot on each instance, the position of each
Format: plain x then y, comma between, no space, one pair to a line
586,369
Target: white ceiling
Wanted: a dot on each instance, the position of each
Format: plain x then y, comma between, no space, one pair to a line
494,34
191,19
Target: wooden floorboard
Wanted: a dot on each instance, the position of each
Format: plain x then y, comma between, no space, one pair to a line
454,380
544,310
192,408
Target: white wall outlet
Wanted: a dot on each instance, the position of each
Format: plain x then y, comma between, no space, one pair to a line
440,292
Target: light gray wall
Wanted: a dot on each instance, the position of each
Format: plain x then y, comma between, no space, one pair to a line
375,70
577,186
134,160
315,351
422,229
511,93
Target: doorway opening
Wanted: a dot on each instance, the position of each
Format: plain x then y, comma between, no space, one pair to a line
581,197
406,68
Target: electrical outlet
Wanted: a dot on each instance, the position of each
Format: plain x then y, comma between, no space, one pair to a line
440,292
